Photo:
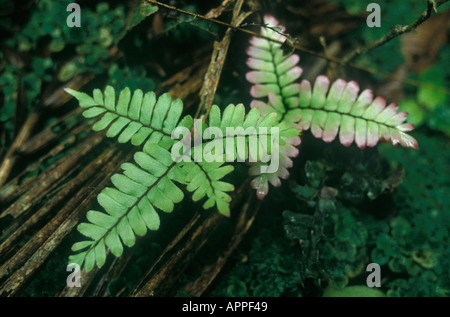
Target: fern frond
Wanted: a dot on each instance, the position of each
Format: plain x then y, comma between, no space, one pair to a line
358,118
241,128
287,151
149,184
287,135
236,136
250,136
134,117
204,179
273,74
130,207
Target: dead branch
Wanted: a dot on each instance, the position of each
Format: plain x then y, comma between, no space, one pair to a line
216,65
394,32
210,272
164,274
42,245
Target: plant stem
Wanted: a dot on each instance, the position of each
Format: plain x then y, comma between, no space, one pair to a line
394,32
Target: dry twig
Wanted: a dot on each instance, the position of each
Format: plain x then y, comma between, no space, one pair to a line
394,32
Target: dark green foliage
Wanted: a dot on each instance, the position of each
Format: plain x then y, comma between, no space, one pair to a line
101,26
131,77
426,105
387,57
340,214
187,28
269,267
421,226
142,11
345,217
405,236
13,78
332,240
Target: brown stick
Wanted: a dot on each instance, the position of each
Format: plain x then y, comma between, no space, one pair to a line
180,252
188,82
162,280
217,12
56,200
16,187
39,248
209,273
23,135
50,179
55,100
47,136
143,285
86,281
216,65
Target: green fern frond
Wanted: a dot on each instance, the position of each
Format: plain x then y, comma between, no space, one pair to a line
204,179
152,182
134,117
235,124
273,76
130,207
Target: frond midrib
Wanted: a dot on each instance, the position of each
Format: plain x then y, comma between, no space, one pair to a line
130,208
277,76
134,120
348,114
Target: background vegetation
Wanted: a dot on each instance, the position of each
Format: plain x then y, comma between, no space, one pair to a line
341,209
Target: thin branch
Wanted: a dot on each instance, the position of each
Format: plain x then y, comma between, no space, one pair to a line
394,32
294,46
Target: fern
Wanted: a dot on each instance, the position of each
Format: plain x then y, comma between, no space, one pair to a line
205,179
357,118
135,118
274,74
130,206
152,182
234,118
